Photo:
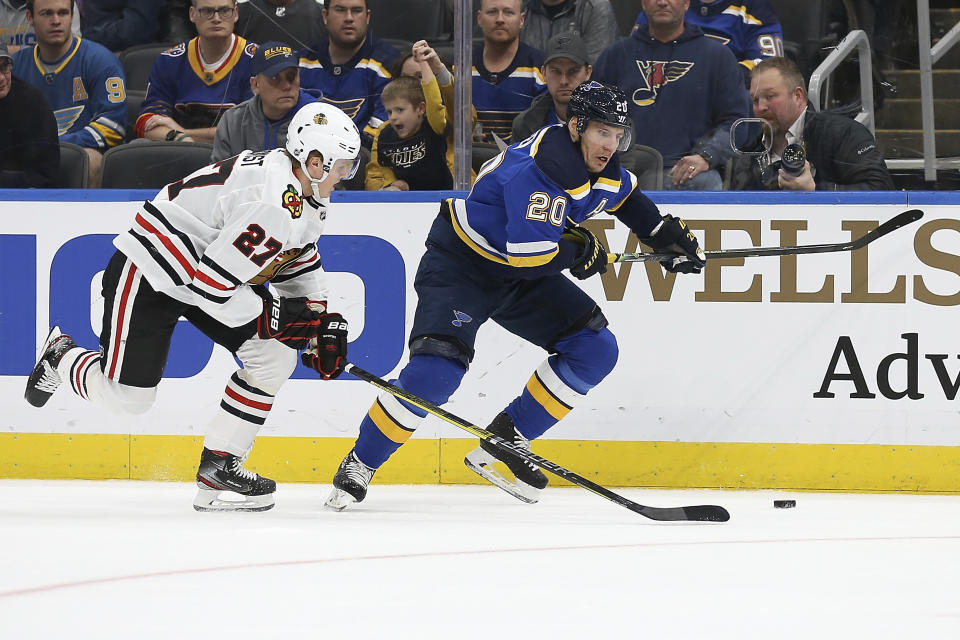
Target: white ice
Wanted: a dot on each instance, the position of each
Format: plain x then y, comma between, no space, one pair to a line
121,559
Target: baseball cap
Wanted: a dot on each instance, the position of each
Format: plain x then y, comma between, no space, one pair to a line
273,57
566,45
3,52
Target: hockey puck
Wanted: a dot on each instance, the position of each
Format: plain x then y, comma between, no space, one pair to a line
784,504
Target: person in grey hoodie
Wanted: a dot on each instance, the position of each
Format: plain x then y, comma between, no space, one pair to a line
592,20
260,123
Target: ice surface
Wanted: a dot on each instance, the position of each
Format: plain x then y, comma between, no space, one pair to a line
122,559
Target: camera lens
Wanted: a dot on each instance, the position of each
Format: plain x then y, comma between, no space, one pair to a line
792,159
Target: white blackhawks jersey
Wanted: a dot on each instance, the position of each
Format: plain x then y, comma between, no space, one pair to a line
206,239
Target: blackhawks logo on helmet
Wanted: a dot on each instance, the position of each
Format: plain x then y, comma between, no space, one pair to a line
320,118
292,202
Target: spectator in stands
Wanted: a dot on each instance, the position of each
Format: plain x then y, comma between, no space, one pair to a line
195,82
350,68
564,68
414,150
506,72
29,149
261,122
299,22
841,154
592,20
16,31
686,91
82,81
749,28
118,24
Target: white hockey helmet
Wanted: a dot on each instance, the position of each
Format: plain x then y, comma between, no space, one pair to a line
323,128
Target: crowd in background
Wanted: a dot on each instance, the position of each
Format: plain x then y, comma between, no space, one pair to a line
236,72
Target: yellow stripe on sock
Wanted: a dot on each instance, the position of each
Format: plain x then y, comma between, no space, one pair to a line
390,427
546,399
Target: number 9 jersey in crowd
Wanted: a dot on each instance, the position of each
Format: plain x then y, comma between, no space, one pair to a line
240,220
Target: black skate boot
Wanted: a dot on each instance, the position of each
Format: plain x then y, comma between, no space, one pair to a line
44,379
349,483
223,484
529,479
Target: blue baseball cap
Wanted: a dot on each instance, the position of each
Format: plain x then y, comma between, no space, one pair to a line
273,57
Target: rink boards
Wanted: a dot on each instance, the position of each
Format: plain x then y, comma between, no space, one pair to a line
829,371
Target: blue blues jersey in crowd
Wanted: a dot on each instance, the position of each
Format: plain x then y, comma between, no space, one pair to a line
355,86
180,88
521,201
499,97
749,28
85,89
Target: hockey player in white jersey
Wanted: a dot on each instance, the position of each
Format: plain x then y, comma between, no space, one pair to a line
204,248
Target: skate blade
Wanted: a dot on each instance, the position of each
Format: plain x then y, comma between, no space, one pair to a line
338,500
481,463
216,500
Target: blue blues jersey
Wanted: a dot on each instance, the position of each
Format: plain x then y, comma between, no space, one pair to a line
499,97
523,198
353,87
85,89
749,28
179,86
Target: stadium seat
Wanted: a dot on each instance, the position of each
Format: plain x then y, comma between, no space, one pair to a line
134,102
647,164
625,12
408,19
482,151
74,171
137,61
151,165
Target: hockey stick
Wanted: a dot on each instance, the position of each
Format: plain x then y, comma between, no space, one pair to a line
892,224
707,513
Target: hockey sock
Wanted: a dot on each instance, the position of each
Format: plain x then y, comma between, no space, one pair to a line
562,380
243,410
81,369
390,422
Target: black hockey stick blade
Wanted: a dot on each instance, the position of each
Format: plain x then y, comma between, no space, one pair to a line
700,513
894,223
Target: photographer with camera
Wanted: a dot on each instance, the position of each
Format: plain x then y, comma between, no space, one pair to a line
810,150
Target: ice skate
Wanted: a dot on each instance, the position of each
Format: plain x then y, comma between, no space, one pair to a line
349,483
529,480
223,484
44,379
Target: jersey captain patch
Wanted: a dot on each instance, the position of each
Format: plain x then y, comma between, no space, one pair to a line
292,202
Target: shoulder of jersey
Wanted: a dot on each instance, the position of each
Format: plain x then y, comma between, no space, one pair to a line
558,159
762,11
176,50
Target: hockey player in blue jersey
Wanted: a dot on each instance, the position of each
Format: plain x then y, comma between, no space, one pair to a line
499,255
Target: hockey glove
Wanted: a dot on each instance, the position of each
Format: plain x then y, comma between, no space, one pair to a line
672,235
328,354
289,320
593,256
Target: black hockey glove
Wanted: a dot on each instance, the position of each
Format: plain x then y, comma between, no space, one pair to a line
289,320
328,355
673,236
592,258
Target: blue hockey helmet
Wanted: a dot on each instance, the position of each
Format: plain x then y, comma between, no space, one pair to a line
603,103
